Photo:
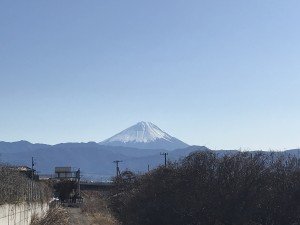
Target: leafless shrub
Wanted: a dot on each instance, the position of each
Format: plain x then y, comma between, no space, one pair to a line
103,219
55,216
93,203
241,189
96,207
16,188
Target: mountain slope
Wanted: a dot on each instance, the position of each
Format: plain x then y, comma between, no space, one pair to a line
20,146
144,135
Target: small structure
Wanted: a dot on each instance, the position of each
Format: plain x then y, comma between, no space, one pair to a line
65,173
25,170
68,184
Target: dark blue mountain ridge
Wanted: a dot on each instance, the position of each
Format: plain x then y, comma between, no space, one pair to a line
20,146
93,159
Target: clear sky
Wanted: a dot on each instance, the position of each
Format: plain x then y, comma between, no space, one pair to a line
225,74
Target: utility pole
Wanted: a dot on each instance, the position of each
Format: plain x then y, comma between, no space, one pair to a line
78,183
117,167
32,176
32,168
165,155
298,152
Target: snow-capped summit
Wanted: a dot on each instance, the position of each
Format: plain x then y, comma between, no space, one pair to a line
140,132
144,135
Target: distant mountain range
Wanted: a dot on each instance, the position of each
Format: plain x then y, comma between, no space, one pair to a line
138,146
93,159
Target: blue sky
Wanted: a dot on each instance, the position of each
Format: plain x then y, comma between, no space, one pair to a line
225,74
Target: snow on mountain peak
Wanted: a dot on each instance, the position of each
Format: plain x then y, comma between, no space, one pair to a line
142,132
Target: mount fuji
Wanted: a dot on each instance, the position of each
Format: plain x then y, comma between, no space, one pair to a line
144,135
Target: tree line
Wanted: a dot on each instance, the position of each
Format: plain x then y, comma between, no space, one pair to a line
206,189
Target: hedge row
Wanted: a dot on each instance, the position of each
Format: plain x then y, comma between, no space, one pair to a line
16,188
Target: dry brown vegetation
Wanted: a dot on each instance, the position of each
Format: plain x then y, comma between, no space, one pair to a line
17,188
55,216
95,206
239,189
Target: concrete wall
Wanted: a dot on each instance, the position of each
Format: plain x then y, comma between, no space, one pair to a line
21,214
